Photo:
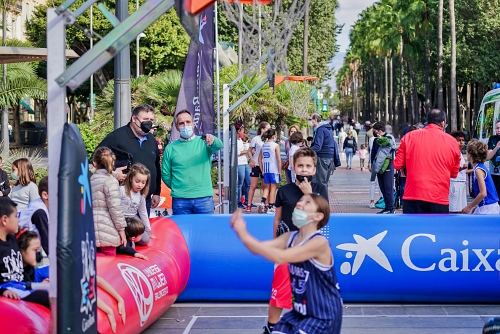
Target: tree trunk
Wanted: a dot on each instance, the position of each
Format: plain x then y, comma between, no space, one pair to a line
411,102
374,93
306,36
453,70
391,97
386,91
440,56
427,75
468,111
17,122
402,105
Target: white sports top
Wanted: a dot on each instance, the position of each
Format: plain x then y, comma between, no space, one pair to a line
256,144
269,158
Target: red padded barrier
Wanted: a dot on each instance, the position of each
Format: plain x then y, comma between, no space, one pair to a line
148,288
23,318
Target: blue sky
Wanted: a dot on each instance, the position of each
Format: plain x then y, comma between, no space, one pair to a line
347,14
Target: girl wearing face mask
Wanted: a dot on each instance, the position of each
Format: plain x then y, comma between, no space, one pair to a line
25,189
317,305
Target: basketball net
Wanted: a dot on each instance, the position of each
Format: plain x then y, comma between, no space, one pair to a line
268,36
300,95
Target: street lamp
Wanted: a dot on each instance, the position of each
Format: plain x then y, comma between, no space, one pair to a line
141,35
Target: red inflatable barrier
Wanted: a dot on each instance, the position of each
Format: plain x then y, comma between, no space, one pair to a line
148,288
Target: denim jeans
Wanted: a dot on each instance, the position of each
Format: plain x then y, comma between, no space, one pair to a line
243,176
349,152
186,206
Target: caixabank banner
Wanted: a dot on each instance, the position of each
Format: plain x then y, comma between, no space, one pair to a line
417,258
377,258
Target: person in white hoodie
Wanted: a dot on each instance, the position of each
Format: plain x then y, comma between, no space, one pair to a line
35,217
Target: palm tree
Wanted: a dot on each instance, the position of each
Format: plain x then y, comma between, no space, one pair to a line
21,81
160,90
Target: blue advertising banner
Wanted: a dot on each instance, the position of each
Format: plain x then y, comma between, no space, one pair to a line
389,258
197,88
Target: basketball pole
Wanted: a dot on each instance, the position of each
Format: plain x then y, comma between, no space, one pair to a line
56,102
217,88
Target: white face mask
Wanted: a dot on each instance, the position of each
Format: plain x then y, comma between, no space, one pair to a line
310,123
186,131
299,218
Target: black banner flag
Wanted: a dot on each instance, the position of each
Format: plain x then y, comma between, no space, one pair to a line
76,265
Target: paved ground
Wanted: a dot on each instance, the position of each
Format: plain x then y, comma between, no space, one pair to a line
357,319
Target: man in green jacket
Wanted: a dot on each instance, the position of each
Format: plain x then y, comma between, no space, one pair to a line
186,168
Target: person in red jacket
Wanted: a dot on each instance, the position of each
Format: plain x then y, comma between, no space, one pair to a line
431,158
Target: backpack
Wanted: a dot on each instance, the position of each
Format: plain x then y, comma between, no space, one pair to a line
380,204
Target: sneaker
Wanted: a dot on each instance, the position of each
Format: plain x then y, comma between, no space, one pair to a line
271,210
261,207
266,330
385,212
254,206
248,209
241,206
372,205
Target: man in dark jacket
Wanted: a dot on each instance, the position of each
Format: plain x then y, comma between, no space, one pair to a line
4,181
325,147
134,143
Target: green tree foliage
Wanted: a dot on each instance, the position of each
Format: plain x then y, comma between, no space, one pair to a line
323,30
160,91
405,31
165,46
261,106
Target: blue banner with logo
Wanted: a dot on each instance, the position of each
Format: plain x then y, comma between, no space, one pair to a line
197,87
377,258
76,251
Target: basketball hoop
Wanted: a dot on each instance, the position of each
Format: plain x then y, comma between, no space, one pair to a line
266,30
299,88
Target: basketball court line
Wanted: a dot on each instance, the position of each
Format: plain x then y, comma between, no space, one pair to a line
373,316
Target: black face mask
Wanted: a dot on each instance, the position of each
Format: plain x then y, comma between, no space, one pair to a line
146,126
301,178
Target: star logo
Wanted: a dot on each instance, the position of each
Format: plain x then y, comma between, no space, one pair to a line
83,179
364,248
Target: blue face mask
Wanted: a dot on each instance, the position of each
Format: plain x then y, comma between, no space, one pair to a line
186,131
299,218
14,176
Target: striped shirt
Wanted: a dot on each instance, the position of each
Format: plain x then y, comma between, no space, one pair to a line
314,285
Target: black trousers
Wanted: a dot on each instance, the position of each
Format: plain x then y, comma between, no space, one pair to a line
38,297
412,206
496,181
386,184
